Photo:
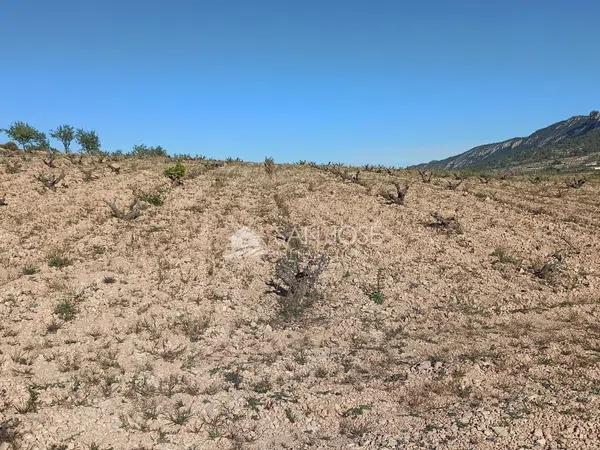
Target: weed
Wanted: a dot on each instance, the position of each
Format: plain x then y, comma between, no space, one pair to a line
30,270
58,260
353,429
447,224
194,327
109,280
376,295
133,211
321,372
181,415
548,270
53,327
575,183
50,181
152,198
503,257
254,403
12,167
281,205
65,310
9,433
262,387
290,415
32,403
88,174
234,377
357,410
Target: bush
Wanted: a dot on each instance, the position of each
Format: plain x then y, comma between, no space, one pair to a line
143,151
88,140
397,197
10,146
269,166
176,173
58,260
295,281
65,310
153,198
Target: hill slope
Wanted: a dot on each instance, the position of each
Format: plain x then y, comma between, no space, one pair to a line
577,139
162,331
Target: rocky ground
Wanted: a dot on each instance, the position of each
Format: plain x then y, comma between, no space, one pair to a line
305,307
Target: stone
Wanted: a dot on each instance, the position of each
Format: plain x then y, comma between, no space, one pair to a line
245,243
500,431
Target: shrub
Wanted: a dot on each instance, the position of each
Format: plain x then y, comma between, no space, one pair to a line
58,260
503,257
453,185
269,164
575,183
176,173
50,181
425,176
88,141
65,134
12,167
10,146
447,224
65,310
550,269
143,151
9,433
153,198
295,280
30,270
376,295
133,212
397,197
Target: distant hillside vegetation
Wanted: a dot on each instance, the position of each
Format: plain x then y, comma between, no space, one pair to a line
574,142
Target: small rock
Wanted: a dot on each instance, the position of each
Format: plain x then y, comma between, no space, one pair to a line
465,419
500,431
425,366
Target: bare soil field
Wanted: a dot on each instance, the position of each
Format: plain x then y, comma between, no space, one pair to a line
295,306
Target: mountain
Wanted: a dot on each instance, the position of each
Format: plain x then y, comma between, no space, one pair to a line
573,142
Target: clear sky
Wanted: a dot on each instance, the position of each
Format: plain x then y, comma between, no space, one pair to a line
392,82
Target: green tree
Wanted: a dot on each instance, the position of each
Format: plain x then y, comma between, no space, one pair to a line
88,140
26,135
65,134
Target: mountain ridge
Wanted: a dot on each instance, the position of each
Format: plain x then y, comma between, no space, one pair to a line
576,137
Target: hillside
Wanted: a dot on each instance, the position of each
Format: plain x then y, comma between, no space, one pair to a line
572,143
294,306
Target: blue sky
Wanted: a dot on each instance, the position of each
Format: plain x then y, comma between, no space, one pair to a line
387,82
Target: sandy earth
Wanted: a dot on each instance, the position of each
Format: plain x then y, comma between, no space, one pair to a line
155,333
